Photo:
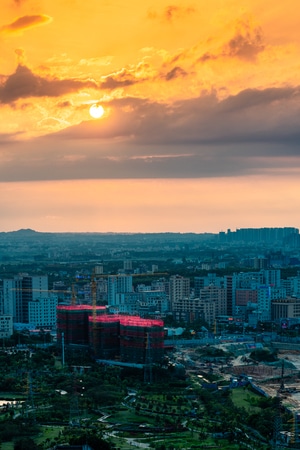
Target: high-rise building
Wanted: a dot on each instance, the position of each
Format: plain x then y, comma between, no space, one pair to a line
26,297
6,326
286,235
295,286
73,323
118,284
127,265
111,336
42,311
10,296
179,288
230,286
272,277
260,262
288,308
216,295
210,279
99,269
191,309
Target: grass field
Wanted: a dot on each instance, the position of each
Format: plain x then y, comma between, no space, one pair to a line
7,446
47,432
128,416
125,439
242,399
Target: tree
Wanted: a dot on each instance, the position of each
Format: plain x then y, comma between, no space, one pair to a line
93,439
25,444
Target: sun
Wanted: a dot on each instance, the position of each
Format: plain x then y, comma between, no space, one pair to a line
96,111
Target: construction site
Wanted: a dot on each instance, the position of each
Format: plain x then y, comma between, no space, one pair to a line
220,366
122,338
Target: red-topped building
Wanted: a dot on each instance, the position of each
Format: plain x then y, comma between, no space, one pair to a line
104,336
73,321
109,336
139,336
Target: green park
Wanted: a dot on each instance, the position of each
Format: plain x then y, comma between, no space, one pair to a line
45,404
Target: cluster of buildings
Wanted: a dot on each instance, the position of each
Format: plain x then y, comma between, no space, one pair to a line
245,297
286,236
111,336
26,302
248,297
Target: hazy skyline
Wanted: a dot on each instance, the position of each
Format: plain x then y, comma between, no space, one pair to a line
200,130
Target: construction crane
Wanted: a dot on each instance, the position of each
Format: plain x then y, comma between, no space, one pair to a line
94,305
74,298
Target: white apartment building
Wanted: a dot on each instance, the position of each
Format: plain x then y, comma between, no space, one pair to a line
179,288
42,311
21,292
118,284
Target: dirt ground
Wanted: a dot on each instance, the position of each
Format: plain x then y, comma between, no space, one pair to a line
281,379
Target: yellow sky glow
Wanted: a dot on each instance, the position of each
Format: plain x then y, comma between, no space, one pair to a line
200,99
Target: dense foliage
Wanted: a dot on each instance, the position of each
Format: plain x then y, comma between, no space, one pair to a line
73,397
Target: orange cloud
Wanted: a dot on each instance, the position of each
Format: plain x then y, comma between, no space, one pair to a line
254,132
120,79
24,83
20,56
127,76
246,43
171,12
25,22
176,72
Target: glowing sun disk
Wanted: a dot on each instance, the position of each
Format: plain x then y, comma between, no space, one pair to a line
96,111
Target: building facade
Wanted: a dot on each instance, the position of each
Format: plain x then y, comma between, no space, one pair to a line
179,289
118,284
25,296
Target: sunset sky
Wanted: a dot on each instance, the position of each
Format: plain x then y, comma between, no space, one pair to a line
201,124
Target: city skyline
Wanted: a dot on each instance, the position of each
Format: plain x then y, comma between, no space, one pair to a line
200,128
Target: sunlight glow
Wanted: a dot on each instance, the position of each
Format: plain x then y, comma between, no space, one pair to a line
96,111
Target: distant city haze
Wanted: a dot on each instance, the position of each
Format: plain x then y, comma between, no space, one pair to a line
200,127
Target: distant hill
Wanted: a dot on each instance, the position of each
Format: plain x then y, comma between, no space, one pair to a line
22,233
25,231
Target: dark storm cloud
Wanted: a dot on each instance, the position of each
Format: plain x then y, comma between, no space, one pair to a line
23,84
25,22
256,131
